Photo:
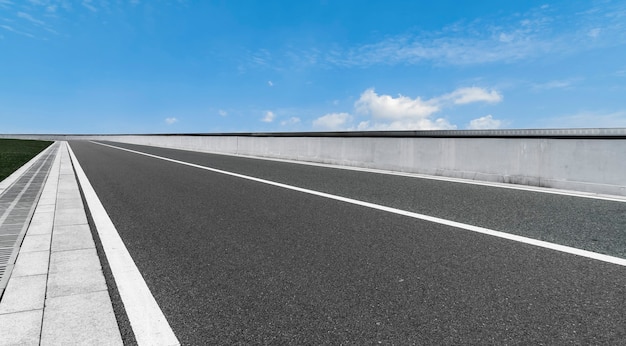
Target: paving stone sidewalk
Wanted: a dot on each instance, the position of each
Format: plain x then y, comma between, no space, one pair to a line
56,294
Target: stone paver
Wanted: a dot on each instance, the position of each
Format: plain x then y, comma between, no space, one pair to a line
31,263
38,242
21,328
75,282
41,223
78,260
72,237
73,216
79,319
24,293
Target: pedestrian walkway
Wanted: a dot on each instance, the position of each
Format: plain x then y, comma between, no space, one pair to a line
56,293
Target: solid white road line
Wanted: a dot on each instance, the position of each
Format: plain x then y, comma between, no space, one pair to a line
517,238
146,318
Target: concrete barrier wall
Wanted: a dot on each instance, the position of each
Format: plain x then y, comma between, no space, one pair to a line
596,164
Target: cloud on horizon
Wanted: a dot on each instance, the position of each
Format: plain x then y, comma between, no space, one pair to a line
333,121
388,113
485,123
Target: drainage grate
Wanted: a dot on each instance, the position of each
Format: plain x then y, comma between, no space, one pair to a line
17,204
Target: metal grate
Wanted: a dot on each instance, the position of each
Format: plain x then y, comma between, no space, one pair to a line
17,204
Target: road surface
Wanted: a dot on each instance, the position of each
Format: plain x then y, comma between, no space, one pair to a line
232,260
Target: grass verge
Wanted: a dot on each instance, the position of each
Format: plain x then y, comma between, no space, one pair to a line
14,153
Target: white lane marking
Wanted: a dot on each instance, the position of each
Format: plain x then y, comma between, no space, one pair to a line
477,229
548,190
146,318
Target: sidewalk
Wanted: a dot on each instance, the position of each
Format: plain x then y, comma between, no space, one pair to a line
57,294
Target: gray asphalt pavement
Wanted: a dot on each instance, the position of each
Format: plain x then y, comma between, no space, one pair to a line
232,261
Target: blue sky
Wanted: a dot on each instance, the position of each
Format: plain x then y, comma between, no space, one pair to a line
138,66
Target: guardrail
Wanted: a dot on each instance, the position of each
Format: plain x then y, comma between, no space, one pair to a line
588,160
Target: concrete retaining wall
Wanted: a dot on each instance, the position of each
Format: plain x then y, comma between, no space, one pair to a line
594,164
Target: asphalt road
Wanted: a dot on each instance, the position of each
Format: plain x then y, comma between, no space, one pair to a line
233,261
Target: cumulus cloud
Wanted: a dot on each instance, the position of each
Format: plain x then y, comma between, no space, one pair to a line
398,113
485,123
222,113
269,117
388,107
386,112
171,120
333,121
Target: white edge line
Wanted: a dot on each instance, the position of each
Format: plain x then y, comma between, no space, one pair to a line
146,318
477,229
547,190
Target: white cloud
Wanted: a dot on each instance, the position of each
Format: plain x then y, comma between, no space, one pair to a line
269,117
387,113
474,94
171,120
290,121
388,107
222,113
333,121
269,82
485,123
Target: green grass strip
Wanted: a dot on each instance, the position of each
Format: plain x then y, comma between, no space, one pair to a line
14,153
